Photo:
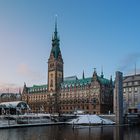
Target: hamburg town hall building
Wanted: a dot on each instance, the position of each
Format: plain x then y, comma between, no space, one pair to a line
93,95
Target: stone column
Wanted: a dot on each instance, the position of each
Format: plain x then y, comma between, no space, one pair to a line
118,98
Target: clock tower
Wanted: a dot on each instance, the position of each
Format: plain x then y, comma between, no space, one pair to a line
55,64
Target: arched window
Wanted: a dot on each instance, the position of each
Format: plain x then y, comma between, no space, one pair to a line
51,84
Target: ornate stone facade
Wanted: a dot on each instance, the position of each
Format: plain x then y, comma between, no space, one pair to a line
94,95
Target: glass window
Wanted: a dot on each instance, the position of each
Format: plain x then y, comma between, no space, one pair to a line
129,89
135,89
124,90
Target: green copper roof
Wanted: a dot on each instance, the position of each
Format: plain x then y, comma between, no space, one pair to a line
37,88
77,82
55,43
104,80
68,82
55,50
82,82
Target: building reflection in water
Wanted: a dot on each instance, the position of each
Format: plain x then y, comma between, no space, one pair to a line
118,133
65,132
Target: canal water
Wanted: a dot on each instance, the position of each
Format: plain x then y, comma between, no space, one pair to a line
64,132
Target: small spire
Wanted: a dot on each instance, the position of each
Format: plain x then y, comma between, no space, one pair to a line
94,74
102,74
19,90
24,88
83,75
111,79
24,84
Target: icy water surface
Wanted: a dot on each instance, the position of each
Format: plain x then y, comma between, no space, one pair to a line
64,132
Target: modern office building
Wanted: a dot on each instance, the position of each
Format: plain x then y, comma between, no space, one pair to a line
118,98
131,92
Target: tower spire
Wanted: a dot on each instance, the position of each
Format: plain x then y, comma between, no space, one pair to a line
55,42
55,28
55,23
55,63
83,75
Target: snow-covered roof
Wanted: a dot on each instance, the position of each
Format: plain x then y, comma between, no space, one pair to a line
14,104
90,119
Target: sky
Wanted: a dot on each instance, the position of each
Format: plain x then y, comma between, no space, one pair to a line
101,34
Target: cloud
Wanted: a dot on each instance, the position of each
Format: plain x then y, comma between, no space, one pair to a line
129,62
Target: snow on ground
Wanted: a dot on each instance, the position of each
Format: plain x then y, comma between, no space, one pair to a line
90,119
